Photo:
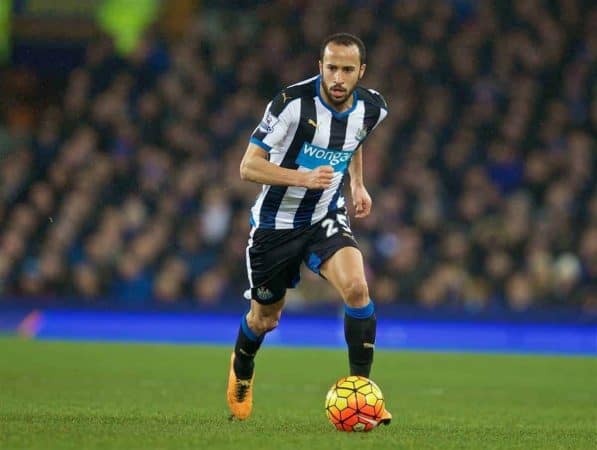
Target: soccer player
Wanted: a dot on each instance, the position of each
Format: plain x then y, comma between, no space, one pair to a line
309,139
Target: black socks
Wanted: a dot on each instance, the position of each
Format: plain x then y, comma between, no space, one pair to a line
245,349
359,330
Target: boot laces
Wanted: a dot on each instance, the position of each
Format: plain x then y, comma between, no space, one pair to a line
242,387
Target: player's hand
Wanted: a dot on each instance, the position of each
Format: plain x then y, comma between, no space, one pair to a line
361,200
319,178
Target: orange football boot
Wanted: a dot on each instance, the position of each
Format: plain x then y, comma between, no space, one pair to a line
239,394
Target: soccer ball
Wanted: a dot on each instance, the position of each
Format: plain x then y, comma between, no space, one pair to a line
354,403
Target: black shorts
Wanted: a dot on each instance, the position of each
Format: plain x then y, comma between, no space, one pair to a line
274,257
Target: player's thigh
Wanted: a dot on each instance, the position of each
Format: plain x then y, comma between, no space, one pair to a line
326,238
346,272
334,254
273,263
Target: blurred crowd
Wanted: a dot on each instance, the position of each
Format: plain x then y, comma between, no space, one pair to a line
483,176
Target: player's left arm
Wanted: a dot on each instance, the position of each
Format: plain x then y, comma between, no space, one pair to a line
361,199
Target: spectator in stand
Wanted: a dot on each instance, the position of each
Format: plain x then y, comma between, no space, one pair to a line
484,173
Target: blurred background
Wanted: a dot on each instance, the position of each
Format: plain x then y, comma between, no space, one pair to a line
123,122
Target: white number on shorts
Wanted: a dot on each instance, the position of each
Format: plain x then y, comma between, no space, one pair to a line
330,229
343,222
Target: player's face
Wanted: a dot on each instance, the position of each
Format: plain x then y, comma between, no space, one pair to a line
340,70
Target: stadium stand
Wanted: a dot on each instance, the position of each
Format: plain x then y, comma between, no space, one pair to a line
125,188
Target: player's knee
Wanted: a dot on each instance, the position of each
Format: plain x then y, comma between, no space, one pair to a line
356,293
264,323
271,324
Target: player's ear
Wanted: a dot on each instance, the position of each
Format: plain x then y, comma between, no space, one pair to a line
362,70
320,68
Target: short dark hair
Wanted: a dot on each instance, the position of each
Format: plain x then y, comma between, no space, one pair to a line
344,39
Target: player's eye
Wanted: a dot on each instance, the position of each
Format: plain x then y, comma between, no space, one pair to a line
348,69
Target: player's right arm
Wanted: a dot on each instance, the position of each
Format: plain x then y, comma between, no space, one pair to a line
255,167
281,115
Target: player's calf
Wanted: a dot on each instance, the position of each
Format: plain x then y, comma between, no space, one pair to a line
359,330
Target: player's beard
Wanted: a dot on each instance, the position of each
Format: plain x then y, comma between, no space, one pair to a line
337,101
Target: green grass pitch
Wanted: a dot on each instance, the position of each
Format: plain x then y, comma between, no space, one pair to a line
56,395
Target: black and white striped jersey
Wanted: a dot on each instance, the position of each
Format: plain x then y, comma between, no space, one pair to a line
300,131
